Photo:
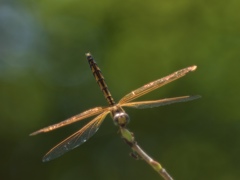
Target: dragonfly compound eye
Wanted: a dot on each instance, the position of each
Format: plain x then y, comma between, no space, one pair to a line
121,119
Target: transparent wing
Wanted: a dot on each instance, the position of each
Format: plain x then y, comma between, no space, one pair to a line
156,84
81,116
76,139
161,102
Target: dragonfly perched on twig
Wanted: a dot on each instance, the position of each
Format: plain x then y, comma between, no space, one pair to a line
119,116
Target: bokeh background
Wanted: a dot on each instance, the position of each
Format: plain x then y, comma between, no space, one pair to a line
45,78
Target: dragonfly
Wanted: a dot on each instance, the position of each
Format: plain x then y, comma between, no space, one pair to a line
116,111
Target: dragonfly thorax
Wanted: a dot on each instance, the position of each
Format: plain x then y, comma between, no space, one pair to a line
120,118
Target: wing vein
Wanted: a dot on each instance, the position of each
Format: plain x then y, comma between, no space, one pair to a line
76,139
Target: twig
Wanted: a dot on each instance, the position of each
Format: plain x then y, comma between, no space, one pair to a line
137,151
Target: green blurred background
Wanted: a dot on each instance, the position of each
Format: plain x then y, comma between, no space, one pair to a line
45,78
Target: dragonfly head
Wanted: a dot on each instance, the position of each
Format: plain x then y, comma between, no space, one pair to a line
121,119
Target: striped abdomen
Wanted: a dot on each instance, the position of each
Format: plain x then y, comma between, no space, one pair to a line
100,79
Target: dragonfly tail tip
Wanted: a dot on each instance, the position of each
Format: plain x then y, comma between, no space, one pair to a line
88,54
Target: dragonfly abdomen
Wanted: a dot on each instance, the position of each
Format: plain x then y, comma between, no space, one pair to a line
100,79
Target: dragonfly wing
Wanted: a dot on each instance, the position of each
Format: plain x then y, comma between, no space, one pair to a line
161,102
76,139
156,84
81,116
